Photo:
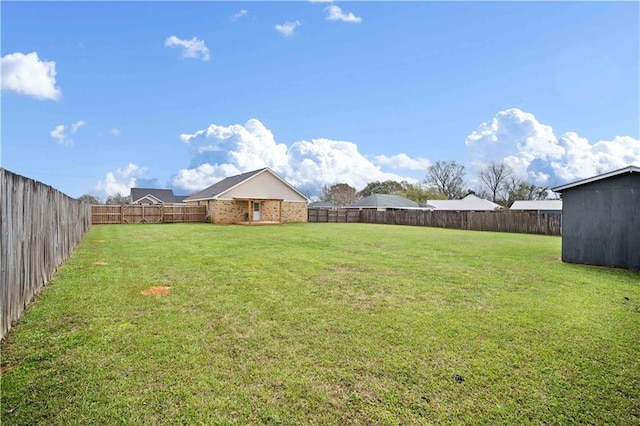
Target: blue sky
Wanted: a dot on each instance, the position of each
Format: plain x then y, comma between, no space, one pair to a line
101,96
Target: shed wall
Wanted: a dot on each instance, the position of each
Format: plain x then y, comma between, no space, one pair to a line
601,223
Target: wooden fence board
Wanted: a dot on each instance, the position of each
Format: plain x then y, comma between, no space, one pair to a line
517,222
136,213
40,228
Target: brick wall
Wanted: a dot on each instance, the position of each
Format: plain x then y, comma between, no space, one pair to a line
232,211
294,211
227,211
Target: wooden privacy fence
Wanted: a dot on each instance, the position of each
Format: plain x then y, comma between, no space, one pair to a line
334,215
40,228
517,222
135,213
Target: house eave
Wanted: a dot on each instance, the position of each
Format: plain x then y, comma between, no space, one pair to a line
257,199
199,199
624,170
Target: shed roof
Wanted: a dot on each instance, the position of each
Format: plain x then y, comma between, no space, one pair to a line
624,170
537,205
384,201
468,203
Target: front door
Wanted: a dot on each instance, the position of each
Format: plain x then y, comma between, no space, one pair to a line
257,214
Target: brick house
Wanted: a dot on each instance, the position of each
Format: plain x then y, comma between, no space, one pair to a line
257,197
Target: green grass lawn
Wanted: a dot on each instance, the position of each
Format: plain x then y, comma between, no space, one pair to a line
325,324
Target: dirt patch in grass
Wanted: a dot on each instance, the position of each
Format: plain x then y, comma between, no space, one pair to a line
99,241
99,263
156,291
6,367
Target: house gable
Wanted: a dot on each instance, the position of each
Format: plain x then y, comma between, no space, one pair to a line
153,196
148,199
266,185
258,184
384,201
468,203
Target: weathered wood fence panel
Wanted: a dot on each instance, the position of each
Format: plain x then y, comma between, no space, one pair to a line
517,222
40,228
134,213
333,215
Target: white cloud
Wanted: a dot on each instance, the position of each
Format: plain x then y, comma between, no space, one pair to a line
403,162
194,48
28,75
60,134
236,16
75,126
288,28
202,176
221,151
534,151
119,182
115,131
336,14
582,159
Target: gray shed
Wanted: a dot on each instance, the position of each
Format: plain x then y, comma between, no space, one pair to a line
601,219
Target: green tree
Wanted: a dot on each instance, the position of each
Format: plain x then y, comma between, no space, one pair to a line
520,189
340,194
90,199
118,199
447,177
386,187
494,176
419,193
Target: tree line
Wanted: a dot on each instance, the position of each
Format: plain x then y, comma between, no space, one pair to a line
445,180
112,199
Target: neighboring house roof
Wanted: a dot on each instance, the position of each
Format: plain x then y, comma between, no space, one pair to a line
468,203
624,170
384,201
322,205
156,195
225,188
537,205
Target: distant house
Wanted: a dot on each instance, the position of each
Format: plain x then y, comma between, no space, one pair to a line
256,197
155,196
322,205
538,206
468,203
386,202
601,219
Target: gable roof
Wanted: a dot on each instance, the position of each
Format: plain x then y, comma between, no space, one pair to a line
161,195
468,203
624,170
321,205
537,205
228,183
384,201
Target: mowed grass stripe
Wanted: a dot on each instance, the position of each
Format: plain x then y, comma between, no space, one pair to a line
324,324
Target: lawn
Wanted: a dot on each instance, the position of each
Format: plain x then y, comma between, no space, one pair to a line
324,324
